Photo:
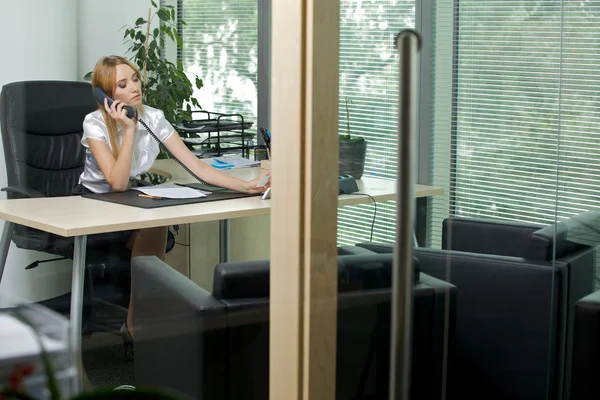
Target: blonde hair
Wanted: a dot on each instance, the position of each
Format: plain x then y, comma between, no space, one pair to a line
104,76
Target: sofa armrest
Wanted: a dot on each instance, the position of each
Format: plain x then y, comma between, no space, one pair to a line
180,332
379,248
503,238
354,251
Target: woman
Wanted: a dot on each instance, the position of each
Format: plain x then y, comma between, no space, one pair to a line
118,149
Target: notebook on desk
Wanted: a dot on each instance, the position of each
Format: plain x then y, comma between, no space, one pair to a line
131,198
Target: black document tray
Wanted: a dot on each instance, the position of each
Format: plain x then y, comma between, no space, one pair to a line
213,125
131,198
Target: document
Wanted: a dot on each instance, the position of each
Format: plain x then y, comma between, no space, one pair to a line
170,192
229,162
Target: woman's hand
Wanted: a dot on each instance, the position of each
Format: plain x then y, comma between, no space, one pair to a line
251,185
119,114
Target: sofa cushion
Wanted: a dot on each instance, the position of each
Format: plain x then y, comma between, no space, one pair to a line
572,235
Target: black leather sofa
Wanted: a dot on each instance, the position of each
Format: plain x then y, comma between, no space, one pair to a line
515,306
216,345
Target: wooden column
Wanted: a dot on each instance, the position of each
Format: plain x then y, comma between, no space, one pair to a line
304,124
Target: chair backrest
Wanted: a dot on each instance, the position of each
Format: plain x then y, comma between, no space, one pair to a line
42,125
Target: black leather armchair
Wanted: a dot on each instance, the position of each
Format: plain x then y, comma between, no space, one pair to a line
586,349
515,304
41,124
216,346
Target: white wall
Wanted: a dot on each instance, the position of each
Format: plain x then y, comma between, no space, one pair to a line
39,42
101,28
62,40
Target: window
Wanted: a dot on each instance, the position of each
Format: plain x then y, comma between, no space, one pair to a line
220,45
522,140
526,109
369,80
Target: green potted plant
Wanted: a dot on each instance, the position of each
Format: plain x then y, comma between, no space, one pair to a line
166,85
353,150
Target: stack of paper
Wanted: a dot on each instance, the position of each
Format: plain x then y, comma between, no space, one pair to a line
230,162
171,192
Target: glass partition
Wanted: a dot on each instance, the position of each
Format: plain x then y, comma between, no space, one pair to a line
177,298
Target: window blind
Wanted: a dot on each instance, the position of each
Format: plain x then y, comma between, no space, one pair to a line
524,136
220,41
369,80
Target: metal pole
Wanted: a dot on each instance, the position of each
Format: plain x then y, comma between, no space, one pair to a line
5,245
77,307
224,240
408,44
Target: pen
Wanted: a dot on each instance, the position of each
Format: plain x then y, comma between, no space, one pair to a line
266,138
149,197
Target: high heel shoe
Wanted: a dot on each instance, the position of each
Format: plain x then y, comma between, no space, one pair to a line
127,339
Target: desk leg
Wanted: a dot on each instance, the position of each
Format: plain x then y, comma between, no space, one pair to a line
77,307
224,240
5,244
421,221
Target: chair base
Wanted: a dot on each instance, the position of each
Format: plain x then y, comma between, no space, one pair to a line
98,315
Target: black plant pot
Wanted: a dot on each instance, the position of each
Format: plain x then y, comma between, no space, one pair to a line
352,157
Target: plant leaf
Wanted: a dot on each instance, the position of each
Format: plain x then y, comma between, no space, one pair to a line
153,3
163,14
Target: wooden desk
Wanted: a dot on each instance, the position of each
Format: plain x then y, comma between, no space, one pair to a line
200,246
75,216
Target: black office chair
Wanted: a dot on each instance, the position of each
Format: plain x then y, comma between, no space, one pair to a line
42,124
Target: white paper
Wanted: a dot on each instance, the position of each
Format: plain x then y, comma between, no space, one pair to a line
263,181
171,191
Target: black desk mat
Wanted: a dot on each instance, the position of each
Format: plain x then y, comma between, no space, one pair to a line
131,198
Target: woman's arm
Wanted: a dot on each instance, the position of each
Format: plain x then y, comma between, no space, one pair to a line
116,171
211,175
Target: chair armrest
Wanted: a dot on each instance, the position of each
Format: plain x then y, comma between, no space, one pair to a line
24,191
379,248
502,238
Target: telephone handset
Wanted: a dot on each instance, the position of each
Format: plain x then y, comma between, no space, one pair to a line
100,95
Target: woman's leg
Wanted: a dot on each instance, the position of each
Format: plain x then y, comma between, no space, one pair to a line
146,242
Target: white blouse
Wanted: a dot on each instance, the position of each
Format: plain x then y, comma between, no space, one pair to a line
145,147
